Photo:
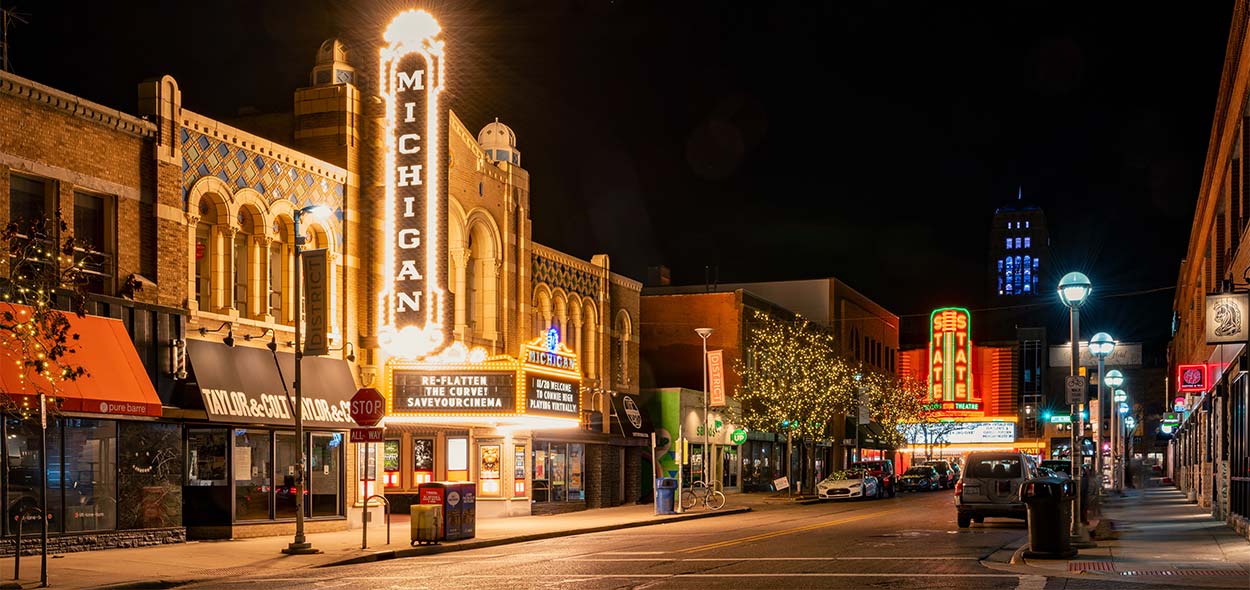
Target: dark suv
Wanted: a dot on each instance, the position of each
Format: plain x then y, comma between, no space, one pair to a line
946,472
883,470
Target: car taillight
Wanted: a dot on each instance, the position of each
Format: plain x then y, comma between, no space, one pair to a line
959,487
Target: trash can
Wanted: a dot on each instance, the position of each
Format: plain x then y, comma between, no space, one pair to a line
665,492
426,524
1049,502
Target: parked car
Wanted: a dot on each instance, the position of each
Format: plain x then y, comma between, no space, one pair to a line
883,470
853,483
990,486
945,471
1061,467
921,478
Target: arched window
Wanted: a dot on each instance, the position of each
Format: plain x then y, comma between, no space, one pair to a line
624,333
203,262
590,325
471,297
243,262
280,271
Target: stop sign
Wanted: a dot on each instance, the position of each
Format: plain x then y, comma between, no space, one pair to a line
368,407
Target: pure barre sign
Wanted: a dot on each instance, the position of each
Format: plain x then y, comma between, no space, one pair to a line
414,321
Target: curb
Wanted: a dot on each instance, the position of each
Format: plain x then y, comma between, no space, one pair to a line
435,549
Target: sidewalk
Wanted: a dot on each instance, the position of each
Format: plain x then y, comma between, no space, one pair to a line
168,566
1156,537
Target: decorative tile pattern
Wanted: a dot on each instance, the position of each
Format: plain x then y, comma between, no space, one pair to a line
556,274
242,168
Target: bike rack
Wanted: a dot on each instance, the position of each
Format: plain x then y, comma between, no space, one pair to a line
364,520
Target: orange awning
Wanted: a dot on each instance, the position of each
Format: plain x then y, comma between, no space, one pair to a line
116,381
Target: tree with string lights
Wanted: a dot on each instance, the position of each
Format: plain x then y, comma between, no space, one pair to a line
793,380
45,276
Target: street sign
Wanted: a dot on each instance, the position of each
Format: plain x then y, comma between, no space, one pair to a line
367,435
367,407
1076,386
1061,419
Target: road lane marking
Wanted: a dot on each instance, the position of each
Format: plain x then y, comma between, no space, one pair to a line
684,559
769,535
631,552
768,575
1032,583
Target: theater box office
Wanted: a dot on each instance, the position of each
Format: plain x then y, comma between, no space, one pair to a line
114,472
241,453
464,417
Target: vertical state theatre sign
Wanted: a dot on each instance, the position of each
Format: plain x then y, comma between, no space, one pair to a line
414,319
950,361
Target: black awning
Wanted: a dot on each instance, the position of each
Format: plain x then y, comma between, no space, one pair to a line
872,436
243,385
628,418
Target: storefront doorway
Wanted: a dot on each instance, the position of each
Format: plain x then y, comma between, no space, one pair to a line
558,472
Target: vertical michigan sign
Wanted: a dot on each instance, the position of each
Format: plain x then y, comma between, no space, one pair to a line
413,319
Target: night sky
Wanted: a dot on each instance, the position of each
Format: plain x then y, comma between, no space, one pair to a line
866,140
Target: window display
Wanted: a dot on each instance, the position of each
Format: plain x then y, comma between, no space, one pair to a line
558,472
252,472
518,474
458,459
489,469
422,460
390,463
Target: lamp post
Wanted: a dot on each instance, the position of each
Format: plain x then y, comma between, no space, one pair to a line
1130,423
1113,381
1074,288
704,333
1101,346
299,545
1117,474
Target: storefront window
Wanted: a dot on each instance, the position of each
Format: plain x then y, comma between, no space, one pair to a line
253,469
206,459
287,461
729,467
518,474
89,475
390,463
458,459
558,470
23,484
422,460
324,473
489,470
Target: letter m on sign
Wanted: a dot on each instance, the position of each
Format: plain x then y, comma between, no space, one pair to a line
413,81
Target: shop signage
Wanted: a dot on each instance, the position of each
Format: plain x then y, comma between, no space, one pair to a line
1191,378
551,358
950,358
1126,354
415,319
1178,404
316,268
716,377
456,393
628,418
368,407
1226,316
552,396
781,483
966,432
367,435
738,436
1171,418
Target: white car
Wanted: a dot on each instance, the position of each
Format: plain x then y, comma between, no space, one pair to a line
849,484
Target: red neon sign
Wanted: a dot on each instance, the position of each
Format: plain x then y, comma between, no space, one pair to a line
1191,378
950,360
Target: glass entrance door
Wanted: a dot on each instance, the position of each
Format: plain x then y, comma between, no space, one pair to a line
729,468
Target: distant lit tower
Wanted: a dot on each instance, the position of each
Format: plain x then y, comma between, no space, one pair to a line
1019,250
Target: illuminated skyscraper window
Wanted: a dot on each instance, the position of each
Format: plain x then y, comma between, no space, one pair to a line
1018,228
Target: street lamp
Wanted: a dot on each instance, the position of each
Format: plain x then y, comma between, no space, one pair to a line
1114,379
704,333
1101,346
1117,477
1074,288
300,546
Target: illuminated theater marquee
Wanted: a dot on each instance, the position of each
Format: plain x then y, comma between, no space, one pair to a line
950,361
414,321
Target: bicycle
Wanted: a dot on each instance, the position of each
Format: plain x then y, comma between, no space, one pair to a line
712,499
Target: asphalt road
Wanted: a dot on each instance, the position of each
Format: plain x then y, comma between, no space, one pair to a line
910,541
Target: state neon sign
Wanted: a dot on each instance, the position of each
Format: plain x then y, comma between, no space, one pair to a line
414,319
950,361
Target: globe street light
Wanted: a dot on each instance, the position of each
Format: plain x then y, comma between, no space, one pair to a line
1074,288
704,333
1117,476
1101,346
1113,380
300,546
